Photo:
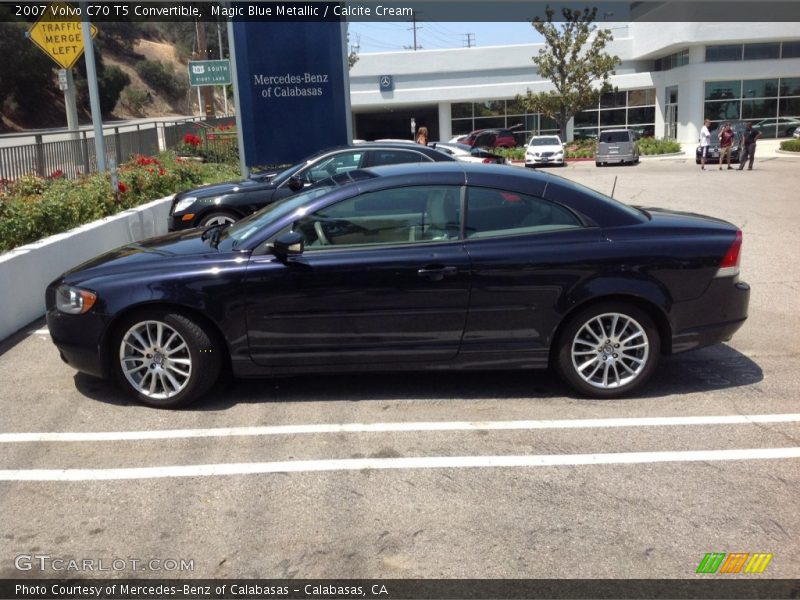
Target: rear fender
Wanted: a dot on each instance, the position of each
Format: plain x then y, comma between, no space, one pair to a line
647,294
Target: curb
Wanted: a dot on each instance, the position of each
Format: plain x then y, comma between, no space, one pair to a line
670,155
793,154
39,263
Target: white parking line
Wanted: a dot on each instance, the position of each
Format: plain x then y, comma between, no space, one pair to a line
165,434
421,462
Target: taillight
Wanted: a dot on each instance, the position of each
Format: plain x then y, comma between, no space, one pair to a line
486,161
730,262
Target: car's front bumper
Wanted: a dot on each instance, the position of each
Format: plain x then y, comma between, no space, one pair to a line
177,223
712,318
543,160
78,339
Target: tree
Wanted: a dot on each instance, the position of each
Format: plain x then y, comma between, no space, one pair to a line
26,74
352,56
574,61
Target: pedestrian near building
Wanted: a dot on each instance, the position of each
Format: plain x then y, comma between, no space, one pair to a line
705,142
749,138
726,136
422,136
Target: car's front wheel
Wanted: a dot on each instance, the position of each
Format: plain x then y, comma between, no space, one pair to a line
164,359
218,218
608,350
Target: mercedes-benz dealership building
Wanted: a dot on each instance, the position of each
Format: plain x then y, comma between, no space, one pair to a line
672,76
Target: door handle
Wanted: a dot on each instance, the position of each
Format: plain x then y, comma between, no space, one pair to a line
437,273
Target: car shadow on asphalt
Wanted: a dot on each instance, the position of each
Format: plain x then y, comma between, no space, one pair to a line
716,368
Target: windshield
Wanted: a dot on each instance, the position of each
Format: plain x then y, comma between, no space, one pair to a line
245,228
545,141
287,173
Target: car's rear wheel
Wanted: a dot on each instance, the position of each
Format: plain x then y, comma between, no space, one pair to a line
218,217
608,350
165,359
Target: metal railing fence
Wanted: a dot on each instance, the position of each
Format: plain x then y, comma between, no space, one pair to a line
72,153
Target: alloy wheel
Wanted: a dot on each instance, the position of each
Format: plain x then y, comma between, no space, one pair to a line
155,359
610,350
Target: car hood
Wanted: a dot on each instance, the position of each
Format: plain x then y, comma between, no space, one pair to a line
179,246
226,187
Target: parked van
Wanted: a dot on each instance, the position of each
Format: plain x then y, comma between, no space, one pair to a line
617,146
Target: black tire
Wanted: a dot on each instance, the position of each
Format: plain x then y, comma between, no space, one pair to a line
164,360
218,215
614,361
596,164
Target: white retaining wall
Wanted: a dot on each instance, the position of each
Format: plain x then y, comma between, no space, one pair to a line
26,271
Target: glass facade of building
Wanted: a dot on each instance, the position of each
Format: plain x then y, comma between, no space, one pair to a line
771,104
632,109
678,59
469,116
764,51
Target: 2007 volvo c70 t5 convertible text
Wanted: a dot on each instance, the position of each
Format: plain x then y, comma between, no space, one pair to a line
407,267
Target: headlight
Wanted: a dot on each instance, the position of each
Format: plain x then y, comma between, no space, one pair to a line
184,203
73,300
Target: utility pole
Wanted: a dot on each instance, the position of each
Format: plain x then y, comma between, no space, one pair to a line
469,42
414,27
202,54
94,94
224,88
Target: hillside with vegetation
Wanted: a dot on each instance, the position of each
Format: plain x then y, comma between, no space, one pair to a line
142,72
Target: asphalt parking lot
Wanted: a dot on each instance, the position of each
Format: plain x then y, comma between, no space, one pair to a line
404,476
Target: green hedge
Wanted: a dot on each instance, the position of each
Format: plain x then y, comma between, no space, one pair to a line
791,145
32,207
650,145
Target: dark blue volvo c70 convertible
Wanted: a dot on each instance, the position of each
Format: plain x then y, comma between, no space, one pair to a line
407,267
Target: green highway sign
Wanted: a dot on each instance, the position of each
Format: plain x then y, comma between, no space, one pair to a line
209,72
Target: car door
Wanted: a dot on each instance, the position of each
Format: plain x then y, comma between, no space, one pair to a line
525,252
384,278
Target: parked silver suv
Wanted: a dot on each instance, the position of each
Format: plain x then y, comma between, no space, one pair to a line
617,146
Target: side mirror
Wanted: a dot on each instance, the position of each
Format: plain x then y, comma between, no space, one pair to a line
288,245
295,183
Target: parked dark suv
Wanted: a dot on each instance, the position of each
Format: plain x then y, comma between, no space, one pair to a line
491,138
224,203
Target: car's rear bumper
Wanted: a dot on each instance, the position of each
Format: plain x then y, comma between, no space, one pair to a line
712,318
615,158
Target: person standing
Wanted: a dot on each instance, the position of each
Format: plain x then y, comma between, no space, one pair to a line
422,136
726,136
748,146
705,142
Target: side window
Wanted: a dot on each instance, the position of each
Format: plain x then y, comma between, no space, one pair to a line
332,165
492,212
394,157
408,215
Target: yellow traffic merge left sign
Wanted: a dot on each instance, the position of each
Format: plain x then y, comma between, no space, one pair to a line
58,36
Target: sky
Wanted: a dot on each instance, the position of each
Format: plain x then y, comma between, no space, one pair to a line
393,36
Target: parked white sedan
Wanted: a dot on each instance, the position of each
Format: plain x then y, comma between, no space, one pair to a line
544,150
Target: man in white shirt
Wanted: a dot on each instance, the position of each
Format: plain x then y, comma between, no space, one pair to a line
705,141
